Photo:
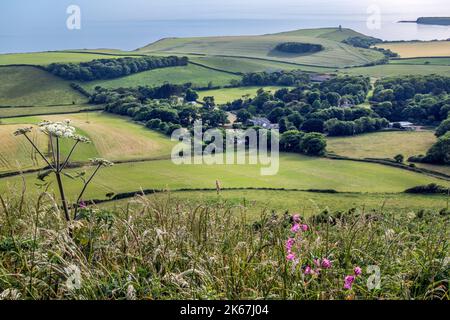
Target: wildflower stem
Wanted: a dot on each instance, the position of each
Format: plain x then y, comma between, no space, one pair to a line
84,189
39,152
68,157
60,185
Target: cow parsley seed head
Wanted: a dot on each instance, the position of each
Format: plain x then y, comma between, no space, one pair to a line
101,162
81,139
22,131
57,129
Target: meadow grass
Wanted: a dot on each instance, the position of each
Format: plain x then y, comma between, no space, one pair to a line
222,96
164,248
419,49
296,172
197,75
336,54
29,86
46,58
15,112
382,144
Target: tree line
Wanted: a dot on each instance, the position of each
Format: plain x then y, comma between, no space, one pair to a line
102,69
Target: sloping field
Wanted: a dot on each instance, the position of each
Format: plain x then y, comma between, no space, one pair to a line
382,144
113,137
336,54
197,75
45,58
30,86
39,110
419,49
295,172
392,70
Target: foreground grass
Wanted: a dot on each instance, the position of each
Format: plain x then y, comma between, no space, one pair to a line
169,249
296,172
254,202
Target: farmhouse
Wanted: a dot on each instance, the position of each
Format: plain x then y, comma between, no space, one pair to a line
264,123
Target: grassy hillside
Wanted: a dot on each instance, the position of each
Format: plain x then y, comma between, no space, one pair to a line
296,171
41,110
197,75
29,86
423,61
419,49
336,54
382,144
45,58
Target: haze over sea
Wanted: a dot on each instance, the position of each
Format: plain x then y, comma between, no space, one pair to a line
28,26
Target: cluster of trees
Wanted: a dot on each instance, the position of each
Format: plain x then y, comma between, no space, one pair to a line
336,127
112,68
313,143
161,108
311,107
421,99
362,42
278,78
298,47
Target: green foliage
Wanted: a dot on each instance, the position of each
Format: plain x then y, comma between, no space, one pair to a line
298,47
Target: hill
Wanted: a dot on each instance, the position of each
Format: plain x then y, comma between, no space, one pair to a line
263,47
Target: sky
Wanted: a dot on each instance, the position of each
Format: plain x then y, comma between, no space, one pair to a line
17,12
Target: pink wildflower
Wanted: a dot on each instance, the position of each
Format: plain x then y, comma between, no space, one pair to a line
290,257
317,262
308,270
357,271
296,218
326,264
82,205
304,227
289,243
348,282
295,227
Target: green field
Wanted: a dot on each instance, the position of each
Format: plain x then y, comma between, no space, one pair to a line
198,76
422,61
30,111
254,202
392,70
225,95
382,144
29,86
45,58
335,54
296,172
246,65
113,137
415,49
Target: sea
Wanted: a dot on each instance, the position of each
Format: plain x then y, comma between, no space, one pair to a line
129,34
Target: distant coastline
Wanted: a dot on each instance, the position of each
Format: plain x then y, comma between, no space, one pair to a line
439,21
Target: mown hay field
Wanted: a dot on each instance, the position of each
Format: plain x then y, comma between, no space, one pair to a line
419,49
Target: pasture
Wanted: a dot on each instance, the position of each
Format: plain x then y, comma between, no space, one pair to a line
382,144
392,70
296,172
419,49
197,75
422,61
335,55
30,86
225,95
